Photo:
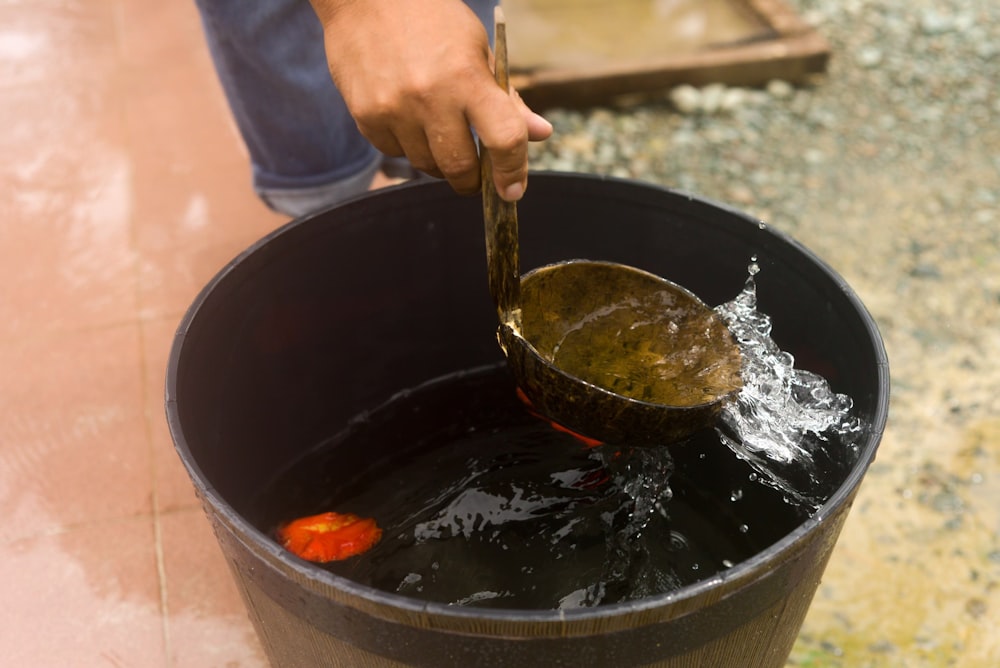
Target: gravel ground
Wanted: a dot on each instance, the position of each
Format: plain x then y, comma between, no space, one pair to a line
889,168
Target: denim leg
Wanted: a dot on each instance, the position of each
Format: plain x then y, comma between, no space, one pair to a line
305,148
484,10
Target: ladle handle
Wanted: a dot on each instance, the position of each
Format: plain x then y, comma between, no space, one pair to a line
500,216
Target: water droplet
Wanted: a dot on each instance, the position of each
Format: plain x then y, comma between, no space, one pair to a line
744,528
752,477
727,564
695,566
736,495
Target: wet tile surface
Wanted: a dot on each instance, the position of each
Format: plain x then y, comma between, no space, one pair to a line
74,437
84,596
205,620
124,188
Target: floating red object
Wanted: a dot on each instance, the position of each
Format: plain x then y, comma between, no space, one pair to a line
329,536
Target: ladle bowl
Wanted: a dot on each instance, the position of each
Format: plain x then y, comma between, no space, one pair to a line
590,351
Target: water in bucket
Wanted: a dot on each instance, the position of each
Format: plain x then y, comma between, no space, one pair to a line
483,503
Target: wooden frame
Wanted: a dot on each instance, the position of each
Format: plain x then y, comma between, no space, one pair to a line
790,50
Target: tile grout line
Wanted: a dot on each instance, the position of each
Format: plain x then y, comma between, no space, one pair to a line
144,376
161,571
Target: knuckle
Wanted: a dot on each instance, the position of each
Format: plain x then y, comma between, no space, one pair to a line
510,138
373,106
460,166
419,88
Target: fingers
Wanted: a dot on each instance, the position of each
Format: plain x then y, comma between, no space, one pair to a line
505,125
454,152
382,138
439,142
443,149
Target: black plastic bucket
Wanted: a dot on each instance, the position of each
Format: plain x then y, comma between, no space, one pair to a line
332,314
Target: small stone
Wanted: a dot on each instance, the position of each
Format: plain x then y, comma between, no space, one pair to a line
684,137
563,165
831,648
822,118
580,143
740,194
732,99
605,154
814,156
964,21
987,50
976,607
686,98
814,17
887,121
882,647
602,117
925,270
780,89
933,23
711,98
983,217
756,98
869,57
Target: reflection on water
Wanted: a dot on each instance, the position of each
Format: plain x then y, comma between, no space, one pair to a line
574,33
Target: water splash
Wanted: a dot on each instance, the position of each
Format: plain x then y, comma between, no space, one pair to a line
784,419
643,476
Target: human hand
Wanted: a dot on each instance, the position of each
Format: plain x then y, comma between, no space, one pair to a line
416,77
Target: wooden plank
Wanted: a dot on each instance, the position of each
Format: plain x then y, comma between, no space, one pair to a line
791,50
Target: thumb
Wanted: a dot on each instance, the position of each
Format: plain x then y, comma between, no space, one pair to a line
503,129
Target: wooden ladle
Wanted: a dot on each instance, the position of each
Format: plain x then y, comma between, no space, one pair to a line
611,351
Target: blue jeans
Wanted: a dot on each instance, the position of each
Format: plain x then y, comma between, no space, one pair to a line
305,149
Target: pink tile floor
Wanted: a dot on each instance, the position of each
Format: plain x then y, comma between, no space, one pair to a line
123,188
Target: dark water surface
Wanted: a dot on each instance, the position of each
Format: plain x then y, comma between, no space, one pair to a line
482,503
